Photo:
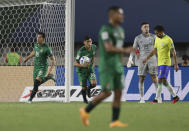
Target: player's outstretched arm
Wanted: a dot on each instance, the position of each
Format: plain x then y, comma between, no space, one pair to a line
52,64
110,48
175,59
150,55
30,56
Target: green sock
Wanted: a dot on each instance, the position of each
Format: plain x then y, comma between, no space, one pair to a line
89,107
116,112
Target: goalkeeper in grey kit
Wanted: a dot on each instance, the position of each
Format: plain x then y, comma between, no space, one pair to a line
86,71
144,44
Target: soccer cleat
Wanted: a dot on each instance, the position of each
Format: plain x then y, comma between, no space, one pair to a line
142,100
175,99
89,92
159,100
52,77
118,123
84,117
29,102
154,102
85,101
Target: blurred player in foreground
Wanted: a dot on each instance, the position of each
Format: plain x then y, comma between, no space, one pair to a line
143,45
163,46
41,53
111,40
86,72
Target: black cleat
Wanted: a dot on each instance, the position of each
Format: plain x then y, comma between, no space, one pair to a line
85,101
89,92
175,99
154,102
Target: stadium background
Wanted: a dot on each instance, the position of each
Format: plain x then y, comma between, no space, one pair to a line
88,21
170,13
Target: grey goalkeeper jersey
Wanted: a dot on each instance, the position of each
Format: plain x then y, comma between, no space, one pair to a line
145,44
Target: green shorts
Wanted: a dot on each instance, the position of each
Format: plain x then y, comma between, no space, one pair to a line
111,81
39,73
83,77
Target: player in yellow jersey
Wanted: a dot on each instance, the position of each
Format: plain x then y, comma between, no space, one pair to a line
163,47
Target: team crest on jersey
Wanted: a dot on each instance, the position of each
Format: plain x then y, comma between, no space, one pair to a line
116,34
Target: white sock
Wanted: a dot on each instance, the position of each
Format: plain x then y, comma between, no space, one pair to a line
158,92
141,89
156,85
170,89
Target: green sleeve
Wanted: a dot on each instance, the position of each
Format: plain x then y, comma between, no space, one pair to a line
78,56
105,34
35,44
49,52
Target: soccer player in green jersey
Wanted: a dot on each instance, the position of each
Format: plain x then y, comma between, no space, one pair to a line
41,53
111,40
163,47
86,72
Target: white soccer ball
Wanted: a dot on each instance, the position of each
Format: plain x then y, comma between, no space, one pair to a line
84,60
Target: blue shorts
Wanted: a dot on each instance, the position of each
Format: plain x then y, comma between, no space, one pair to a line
163,71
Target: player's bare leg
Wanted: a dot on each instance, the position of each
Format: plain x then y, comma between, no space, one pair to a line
155,81
84,112
116,109
141,88
37,82
170,89
92,85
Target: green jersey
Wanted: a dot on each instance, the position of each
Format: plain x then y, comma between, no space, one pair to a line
13,59
111,62
90,54
42,52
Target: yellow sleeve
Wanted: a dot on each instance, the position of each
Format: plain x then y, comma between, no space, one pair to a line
171,44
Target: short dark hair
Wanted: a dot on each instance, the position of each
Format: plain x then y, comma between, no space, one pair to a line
42,34
12,49
185,57
159,28
113,8
87,38
143,23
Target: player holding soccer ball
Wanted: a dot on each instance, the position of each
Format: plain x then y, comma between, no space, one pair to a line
145,44
41,53
85,67
163,46
111,40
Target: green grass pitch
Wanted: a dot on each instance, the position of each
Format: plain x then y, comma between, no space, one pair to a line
49,116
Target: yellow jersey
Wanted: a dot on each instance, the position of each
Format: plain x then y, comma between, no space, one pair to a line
164,46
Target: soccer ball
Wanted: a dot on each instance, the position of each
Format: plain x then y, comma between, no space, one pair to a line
84,60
